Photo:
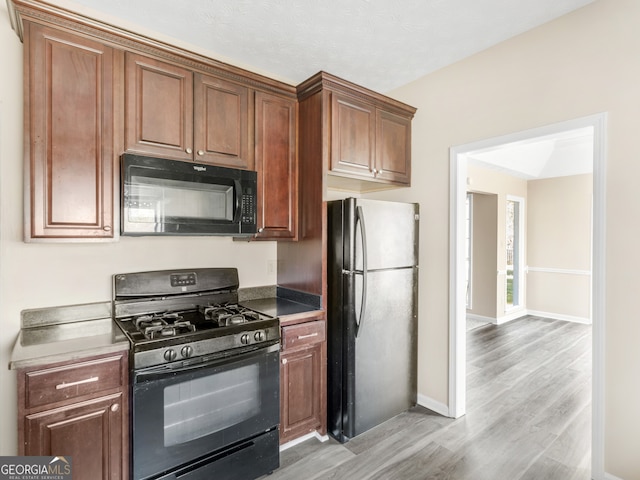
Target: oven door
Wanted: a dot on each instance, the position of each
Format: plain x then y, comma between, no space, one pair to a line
186,413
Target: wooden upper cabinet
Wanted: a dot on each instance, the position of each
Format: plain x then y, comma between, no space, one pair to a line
221,122
353,133
275,137
369,142
393,147
366,136
159,108
69,109
176,113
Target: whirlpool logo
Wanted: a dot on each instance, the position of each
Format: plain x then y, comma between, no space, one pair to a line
199,168
35,468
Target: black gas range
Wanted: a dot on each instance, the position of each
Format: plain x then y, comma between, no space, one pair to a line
187,315
204,374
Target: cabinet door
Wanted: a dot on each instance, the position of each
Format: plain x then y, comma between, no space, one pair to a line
221,123
91,433
276,166
353,136
393,147
159,108
300,391
69,107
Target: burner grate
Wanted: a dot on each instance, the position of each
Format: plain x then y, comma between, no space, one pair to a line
161,325
228,314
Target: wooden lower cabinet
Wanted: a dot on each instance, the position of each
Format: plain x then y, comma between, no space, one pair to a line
89,432
303,380
77,410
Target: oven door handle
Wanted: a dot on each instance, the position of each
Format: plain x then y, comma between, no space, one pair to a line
162,371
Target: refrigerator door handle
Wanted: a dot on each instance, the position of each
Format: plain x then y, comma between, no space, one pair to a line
363,299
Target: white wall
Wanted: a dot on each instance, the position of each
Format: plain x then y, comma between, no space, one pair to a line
41,275
581,64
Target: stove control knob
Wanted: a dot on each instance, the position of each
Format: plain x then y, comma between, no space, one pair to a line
186,351
259,336
244,339
170,355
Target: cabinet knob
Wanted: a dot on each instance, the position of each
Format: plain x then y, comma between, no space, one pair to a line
106,228
188,150
260,230
284,361
115,407
200,152
375,171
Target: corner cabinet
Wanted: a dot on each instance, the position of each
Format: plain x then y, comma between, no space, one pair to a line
77,409
276,164
70,100
303,384
368,137
177,113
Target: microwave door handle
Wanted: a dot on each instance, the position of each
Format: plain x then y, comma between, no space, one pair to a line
238,198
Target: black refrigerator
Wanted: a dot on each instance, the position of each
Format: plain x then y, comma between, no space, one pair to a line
372,273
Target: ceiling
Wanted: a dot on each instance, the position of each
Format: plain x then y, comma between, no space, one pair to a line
379,44
557,155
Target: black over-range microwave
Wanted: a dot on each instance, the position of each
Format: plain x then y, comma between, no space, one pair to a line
169,197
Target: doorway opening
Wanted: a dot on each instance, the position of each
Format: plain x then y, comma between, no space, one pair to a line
457,306
513,251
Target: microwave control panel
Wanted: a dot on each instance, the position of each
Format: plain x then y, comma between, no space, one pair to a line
248,208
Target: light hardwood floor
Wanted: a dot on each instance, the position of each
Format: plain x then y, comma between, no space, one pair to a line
528,418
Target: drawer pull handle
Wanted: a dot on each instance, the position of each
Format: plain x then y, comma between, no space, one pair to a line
79,382
302,337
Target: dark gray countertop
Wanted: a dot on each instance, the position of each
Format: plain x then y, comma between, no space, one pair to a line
59,334
278,307
284,302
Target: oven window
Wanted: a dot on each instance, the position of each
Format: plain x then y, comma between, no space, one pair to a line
199,407
153,200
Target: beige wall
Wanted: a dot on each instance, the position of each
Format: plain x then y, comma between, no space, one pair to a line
559,246
484,238
581,64
43,275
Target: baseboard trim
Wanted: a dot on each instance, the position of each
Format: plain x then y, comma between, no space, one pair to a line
480,318
560,316
608,476
524,313
304,438
438,407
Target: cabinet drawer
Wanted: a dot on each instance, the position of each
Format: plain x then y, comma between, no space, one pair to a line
68,381
303,334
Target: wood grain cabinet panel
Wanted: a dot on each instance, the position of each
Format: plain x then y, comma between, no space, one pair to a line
159,108
174,112
221,123
276,166
353,136
393,147
89,432
303,396
69,109
364,136
79,409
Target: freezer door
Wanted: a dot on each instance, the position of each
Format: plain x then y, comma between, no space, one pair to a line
385,349
391,234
